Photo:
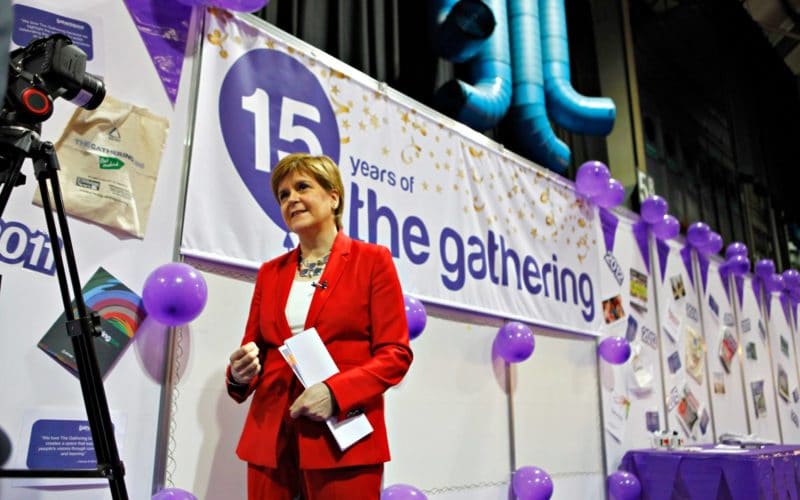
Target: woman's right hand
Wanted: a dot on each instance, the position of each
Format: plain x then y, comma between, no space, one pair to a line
245,364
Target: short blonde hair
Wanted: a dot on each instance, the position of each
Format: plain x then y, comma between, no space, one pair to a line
322,168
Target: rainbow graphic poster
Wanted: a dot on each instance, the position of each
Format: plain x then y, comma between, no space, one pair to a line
121,312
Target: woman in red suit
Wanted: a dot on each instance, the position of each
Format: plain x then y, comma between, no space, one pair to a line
349,292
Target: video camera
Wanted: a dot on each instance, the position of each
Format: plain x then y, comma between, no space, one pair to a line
44,70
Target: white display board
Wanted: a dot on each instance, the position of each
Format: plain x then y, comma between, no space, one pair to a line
758,382
682,345
449,421
632,393
784,369
32,384
556,404
723,349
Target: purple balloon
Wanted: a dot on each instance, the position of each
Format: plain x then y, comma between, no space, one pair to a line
791,278
514,342
713,244
611,196
174,294
667,228
773,283
416,316
765,268
738,265
238,5
402,492
794,294
532,483
623,486
653,209
192,3
697,234
173,494
735,248
615,350
592,178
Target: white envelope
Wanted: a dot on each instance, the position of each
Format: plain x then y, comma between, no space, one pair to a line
312,363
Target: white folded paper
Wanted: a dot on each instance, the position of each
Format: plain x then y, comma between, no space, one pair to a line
312,363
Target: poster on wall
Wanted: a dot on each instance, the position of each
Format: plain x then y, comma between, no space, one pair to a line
46,422
469,225
758,382
723,349
682,344
784,366
632,393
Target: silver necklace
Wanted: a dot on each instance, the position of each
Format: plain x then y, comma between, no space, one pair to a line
311,269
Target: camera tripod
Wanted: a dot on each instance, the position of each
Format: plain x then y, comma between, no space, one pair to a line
17,143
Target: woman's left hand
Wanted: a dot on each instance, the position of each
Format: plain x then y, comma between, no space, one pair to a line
315,403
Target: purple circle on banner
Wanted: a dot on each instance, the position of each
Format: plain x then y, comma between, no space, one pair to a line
270,104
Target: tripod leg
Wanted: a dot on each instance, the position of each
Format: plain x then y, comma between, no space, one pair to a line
94,395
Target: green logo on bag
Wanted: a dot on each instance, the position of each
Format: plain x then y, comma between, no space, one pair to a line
109,163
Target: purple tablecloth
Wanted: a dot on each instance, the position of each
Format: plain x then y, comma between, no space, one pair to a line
765,474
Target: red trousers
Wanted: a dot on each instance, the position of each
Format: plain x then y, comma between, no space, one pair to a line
289,482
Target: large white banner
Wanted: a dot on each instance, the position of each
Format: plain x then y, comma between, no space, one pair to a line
784,367
724,349
632,393
469,225
759,389
683,346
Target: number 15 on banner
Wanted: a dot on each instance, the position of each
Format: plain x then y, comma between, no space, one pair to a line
272,105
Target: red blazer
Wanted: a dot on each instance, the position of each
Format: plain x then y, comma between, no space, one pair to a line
360,316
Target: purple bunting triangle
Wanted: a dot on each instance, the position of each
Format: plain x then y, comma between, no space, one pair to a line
739,280
784,299
724,274
758,289
164,28
768,304
609,223
703,261
639,230
686,257
663,252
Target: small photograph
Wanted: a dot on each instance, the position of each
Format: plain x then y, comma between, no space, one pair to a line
638,290
796,395
612,309
783,384
671,325
727,349
712,304
746,325
678,288
704,419
688,411
750,351
674,362
795,419
727,319
651,419
719,382
759,400
630,332
784,346
695,354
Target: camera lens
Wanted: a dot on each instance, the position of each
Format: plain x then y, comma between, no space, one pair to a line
89,95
